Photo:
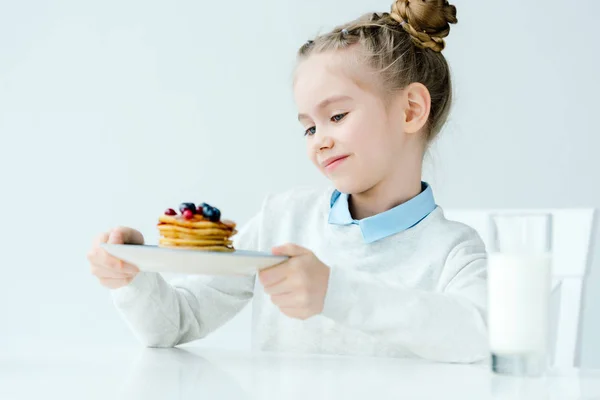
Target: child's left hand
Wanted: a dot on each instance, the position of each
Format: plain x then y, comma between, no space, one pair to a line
297,286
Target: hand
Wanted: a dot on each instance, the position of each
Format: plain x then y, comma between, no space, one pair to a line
298,285
110,271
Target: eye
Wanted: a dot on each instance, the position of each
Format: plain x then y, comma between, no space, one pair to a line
310,131
338,117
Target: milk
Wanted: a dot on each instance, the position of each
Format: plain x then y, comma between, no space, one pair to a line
518,303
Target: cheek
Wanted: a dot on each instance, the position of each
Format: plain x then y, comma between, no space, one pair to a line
354,135
367,138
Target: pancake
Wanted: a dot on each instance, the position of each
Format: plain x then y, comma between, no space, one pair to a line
220,249
174,229
197,231
196,242
197,223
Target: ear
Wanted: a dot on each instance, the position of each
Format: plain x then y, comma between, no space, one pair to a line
417,101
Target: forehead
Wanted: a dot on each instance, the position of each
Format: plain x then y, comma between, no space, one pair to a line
330,73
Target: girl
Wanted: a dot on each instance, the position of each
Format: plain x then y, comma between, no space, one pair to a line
375,269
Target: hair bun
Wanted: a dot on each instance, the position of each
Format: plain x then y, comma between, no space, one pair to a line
427,21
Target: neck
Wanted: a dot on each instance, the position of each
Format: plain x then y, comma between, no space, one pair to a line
384,196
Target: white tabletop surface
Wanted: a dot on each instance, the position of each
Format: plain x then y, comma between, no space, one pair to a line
196,373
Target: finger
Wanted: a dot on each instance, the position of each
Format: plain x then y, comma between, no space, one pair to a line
290,250
274,275
107,261
116,237
288,300
99,256
285,286
129,236
102,272
102,238
130,268
93,253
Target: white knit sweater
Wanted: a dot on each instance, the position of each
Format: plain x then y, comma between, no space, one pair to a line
418,293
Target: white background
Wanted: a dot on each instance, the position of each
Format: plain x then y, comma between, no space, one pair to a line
112,111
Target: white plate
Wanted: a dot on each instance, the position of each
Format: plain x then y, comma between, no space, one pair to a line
160,259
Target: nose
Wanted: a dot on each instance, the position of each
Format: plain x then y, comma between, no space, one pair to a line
323,142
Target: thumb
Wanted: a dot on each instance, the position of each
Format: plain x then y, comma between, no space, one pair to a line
116,237
290,250
123,235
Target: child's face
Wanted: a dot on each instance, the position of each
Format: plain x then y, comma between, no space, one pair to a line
350,134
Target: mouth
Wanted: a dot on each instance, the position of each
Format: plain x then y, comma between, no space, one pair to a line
333,162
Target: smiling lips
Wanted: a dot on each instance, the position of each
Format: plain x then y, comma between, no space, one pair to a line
333,162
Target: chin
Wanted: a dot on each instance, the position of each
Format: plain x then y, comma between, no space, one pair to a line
349,185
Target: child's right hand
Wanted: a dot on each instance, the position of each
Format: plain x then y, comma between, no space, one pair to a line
110,271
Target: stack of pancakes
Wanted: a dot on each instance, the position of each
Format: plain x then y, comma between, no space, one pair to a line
197,233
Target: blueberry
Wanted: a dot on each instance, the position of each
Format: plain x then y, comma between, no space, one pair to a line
216,217
205,209
207,212
187,206
211,213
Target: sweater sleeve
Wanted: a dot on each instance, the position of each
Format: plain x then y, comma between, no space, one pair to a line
163,314
448,325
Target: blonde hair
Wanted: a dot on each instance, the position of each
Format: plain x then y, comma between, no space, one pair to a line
403,47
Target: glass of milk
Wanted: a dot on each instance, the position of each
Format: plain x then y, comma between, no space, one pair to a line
519,279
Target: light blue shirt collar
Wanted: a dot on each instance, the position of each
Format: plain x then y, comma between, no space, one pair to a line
390,222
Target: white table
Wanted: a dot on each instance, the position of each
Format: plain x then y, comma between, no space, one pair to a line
196,373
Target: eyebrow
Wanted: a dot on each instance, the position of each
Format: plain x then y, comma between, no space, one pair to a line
325,103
